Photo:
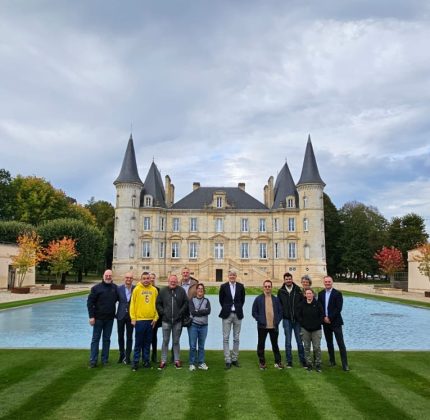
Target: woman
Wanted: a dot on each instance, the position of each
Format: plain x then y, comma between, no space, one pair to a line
310,316
153,277
200,308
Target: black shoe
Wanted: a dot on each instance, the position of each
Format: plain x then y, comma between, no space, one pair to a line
127,361
346,368
332,363
121,359
92,365
309,368
146,365
134,367
304,365
235,363
227,366
289,365
318,368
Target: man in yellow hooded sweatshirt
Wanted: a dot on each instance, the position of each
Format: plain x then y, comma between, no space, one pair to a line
143,316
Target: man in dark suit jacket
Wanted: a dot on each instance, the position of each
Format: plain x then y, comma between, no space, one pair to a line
123,319
332,302
231,299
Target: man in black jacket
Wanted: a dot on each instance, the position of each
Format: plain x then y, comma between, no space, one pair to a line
332,302
172,306
231,299
290,295
101,311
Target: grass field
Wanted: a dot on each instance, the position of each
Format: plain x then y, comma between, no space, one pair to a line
56,384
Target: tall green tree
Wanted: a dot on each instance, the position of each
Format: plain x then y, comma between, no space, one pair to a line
104,214
406,233
90,242
333,233
363,233
6,195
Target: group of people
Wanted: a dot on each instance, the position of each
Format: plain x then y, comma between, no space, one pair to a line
143,308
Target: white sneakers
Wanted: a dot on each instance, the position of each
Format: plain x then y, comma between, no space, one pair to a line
192,367
202,366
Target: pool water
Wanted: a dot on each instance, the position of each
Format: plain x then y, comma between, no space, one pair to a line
369,325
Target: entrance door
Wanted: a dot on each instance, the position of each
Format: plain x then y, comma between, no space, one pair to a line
11,277
218,274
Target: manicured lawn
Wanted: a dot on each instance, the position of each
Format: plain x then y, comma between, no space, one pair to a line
56,384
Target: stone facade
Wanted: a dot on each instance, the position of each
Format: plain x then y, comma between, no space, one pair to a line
7,272
417,282
214,229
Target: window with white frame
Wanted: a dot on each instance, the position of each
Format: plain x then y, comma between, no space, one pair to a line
147,201
192,250
244,250
219,224
219,251
193,224
262,225
276,225
291,224
131,249
262,250
133,201
175,249
175,224
219,203
146,223
305,224
307,252
277,250
146,249
292,254
290,202
244,226
162,223
305,202
161,249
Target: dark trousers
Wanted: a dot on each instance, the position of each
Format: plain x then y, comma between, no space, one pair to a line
154,343
329,330
124,325
273,334
142,340
102,328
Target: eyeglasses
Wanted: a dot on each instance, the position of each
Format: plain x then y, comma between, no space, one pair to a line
129,277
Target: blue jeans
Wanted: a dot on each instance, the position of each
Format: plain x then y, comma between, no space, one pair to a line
198,334
289,326
102,326
142,340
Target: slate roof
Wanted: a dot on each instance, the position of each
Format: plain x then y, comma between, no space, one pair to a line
310,173
284,186
129,172
201,197
153,186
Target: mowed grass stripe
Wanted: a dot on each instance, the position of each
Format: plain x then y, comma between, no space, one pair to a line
169,398
86,400
130,392
15,374
246,396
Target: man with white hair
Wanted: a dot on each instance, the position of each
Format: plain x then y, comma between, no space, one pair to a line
231,299
101,310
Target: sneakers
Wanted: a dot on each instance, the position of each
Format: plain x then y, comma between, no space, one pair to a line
289,365
178,364
192,368
318,368
235,363
279,366
203,366
162,366
262,366
93,365
134,367
227,366
309,368
146,365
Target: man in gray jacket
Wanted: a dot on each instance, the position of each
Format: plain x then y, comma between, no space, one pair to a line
172,306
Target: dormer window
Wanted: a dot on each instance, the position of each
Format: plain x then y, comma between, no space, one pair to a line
290,202
219,200
147,201
219,203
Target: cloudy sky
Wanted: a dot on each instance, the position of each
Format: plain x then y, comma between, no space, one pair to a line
220,92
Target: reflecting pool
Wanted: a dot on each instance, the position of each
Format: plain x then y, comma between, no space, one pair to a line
369,325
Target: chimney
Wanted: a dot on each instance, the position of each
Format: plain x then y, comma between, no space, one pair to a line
172,194
241,185
196,185
270,197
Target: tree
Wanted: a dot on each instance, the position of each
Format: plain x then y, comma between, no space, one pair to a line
59,254
90,242
10,230
333,232
6,195
423,258
28,255
407,233
363,233
390,260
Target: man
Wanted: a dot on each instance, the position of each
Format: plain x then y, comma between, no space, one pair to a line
231,299
290,296
144,316
101,311
332,302
188,284
267,311
306,283
172,305
123,321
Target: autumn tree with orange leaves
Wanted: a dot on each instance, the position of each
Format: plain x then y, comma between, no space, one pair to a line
390,260
28,255
60,254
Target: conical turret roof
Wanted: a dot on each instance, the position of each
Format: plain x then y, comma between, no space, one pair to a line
153,186
284,187
129,172
310,173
